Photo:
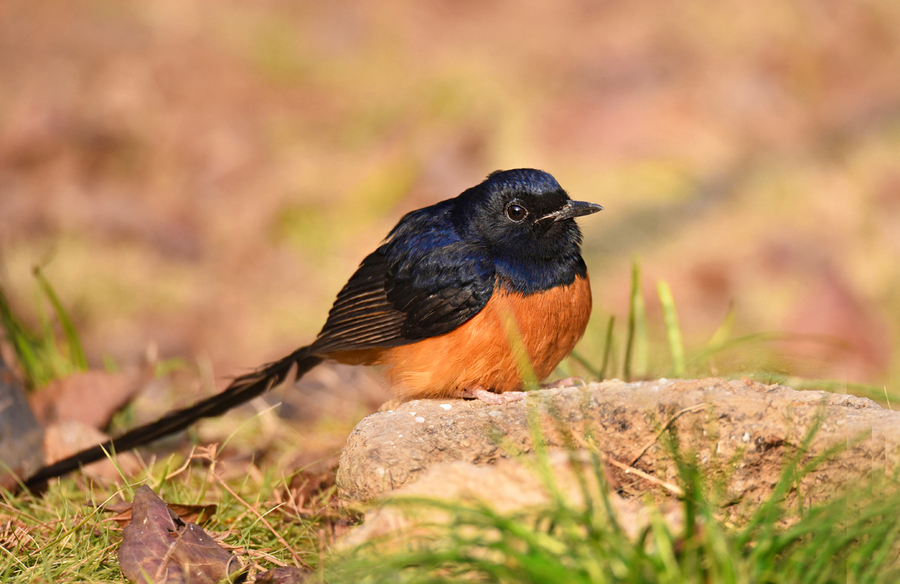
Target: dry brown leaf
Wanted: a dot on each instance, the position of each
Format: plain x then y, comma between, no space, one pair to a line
283,575
14,534
199,514
89,397
313,484
66,438
159,548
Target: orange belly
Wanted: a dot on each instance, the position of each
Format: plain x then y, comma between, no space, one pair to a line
487,351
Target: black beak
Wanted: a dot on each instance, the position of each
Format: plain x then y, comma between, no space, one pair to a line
573,209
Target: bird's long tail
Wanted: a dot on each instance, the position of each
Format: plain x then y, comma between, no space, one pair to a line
241,390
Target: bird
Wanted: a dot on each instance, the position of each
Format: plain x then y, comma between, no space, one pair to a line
465,298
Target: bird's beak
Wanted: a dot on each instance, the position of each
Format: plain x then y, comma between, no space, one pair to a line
573,209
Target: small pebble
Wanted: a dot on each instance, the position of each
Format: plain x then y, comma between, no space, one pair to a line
420,419
446,406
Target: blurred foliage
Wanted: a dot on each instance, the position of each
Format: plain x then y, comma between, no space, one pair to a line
207,175
41,355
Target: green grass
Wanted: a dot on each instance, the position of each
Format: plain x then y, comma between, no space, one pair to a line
69,538
63,535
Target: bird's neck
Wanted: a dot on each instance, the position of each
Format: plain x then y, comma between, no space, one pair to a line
531,276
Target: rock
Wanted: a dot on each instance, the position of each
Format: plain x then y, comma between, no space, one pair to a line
744,430
20,434
507,486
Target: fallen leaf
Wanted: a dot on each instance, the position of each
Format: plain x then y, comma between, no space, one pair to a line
313,484
159,548
67,438
14,534
89,397
283,575
199,514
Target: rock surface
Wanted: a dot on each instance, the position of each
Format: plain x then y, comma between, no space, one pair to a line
20,434
743,430
508,486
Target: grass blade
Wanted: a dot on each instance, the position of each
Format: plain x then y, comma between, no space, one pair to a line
581,360
636,340
673,332
77,356
607,347
25,344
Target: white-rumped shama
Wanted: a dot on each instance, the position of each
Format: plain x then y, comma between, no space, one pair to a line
433,305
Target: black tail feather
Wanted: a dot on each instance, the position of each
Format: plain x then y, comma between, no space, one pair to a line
241,390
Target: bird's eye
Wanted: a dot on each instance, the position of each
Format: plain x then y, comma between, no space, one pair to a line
516,212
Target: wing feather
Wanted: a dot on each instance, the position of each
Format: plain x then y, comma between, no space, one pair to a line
410,288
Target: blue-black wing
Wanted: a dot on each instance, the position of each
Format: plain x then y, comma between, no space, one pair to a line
422,282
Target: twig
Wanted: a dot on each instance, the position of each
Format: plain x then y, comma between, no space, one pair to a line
664,428
184,466
674,489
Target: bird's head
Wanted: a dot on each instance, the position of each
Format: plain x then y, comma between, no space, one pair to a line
521,214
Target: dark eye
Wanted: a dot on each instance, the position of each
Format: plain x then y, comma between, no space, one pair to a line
516,212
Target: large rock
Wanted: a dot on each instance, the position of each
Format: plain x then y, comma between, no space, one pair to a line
507,486
743,430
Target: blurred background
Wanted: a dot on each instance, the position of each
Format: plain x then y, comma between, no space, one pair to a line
198,179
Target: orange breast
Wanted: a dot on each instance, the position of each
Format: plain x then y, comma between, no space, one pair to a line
487,351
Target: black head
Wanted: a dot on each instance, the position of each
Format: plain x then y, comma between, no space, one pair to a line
521,215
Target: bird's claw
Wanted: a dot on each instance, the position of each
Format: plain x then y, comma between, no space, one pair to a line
491,398
566,382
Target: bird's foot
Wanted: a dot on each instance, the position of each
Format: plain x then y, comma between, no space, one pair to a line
491,398
567,382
